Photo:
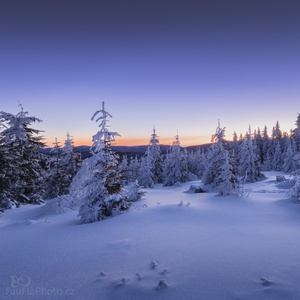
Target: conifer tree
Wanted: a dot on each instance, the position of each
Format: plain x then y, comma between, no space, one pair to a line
176,165
20,150
249,162
63,165
153,151
214,157
98,185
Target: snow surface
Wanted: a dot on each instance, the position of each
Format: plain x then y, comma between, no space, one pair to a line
170,245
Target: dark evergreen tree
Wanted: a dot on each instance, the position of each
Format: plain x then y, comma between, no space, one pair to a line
20,150
63,165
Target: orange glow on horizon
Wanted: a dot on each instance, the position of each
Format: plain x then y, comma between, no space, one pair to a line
184,141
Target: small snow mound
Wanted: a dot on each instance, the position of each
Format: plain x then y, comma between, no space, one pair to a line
165,271
195,189
161,285
31,222
265,282
280,178
180,203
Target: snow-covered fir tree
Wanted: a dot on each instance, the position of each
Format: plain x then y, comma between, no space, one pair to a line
151,171
175,165
22,167
63,165
219,173
153,151
249,166
145,176
171,167
227,181
196,162
289,162
295,134
277,160
98,185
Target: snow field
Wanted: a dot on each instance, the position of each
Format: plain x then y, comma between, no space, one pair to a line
215,248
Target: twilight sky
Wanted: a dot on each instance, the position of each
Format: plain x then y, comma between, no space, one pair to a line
178,65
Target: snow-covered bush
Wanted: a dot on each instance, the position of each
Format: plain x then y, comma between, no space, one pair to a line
294,192
59,205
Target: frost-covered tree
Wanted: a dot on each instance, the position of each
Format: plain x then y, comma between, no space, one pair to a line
98,185
145,176
277,160
153,152
249,166
214,157
265,158
289,161
133,169
227,181
171,167
295,134
150,171
63,165
196,162
176,165
20,151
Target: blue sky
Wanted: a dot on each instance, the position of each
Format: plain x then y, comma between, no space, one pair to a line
178,65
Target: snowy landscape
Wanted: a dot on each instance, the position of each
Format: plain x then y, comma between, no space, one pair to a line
211,247
219,223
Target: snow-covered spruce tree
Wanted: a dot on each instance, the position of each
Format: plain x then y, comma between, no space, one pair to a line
295,134
63,165
150,171
219,173
98,183
133,169
227,181
289,162
53,176
153,151
145,176
249,166
265,155
171,166
196,163
22,170
175,166
277,161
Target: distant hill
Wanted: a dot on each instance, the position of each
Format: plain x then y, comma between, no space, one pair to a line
127,150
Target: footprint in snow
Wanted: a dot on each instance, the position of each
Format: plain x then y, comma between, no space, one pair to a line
161,285
122,282
101,276
153,264
165,271
265,281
